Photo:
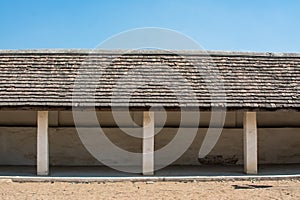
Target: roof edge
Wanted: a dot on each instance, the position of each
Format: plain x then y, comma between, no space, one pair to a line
151,52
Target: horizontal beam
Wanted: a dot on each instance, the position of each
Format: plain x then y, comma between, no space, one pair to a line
142,108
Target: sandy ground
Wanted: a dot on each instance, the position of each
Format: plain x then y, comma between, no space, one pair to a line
152,190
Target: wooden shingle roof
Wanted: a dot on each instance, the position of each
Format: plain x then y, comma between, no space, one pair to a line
51,79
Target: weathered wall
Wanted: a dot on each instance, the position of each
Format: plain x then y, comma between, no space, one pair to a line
278,137
275,145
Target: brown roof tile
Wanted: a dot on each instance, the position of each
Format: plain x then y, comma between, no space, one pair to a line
44,79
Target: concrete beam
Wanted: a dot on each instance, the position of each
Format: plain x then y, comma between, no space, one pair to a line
42,143
250,143
148,143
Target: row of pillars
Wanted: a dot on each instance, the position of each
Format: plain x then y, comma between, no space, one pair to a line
250,143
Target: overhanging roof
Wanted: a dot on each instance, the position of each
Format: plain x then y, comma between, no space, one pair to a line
51,79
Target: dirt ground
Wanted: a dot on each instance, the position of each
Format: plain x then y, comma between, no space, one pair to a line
152,190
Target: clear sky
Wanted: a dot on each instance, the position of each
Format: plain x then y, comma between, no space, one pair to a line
242,25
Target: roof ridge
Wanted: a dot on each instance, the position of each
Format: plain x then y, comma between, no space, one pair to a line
158,52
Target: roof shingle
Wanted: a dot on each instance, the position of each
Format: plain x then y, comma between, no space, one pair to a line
44,79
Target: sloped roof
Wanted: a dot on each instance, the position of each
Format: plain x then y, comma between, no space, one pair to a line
51,79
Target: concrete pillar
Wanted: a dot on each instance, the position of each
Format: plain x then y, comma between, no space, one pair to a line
42,143
250,143
148,143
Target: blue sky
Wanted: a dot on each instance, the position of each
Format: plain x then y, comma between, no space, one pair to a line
240,25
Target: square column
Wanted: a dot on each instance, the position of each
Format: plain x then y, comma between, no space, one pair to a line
148,143
42,143
250,143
